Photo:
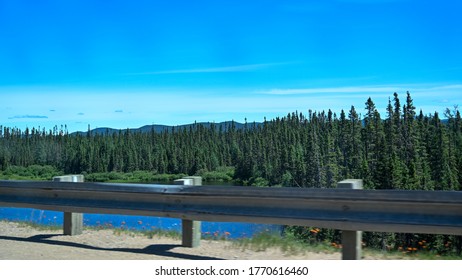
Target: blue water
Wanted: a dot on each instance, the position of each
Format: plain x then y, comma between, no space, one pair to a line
209,229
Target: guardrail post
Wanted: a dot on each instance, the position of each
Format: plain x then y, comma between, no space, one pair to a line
351,240
191,230
73,222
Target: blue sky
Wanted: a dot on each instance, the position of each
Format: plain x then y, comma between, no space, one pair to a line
130,63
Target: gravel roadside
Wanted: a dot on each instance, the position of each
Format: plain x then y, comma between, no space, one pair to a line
21,242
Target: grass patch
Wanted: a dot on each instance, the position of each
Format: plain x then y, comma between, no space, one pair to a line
161,233
287,244
404,255
148,233
37,226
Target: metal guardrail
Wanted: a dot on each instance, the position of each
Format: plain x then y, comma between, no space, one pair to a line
433,212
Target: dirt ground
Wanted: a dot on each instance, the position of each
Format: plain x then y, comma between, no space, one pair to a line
21,242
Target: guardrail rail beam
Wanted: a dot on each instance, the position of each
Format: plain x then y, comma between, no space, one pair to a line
350,210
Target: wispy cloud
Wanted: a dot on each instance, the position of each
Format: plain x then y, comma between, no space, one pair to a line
28,117
363,89
370,2
81,114
447,87
118,111
374,89
236,68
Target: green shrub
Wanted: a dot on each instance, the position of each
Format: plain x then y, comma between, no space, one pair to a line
32,172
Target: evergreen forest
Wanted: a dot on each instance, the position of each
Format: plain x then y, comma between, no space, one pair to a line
404,149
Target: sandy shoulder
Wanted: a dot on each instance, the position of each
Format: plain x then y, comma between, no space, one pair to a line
20,242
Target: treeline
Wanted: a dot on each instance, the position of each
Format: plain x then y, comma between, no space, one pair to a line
404,150
401,150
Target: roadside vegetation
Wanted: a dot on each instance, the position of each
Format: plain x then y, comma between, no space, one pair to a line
32,172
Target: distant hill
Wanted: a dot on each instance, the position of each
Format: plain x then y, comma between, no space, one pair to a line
158,128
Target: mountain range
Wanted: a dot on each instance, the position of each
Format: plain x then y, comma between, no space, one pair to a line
159,128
